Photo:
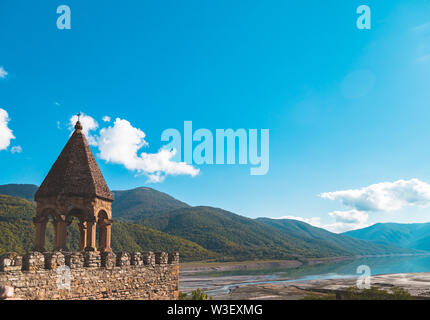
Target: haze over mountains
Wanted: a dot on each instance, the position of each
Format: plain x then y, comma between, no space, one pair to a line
151,220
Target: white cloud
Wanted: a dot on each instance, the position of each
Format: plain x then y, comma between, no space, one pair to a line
88,124
422,27
57,103
16,149
350,216
106,119
314,221
344,221
3,73
423,58
121,143
348,220
339,227
384,196
6,134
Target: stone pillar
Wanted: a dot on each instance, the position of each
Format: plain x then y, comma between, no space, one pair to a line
61,234
108,234
40,226
105,226
83,235
91,235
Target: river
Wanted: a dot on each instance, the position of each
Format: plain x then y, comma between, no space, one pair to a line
220,282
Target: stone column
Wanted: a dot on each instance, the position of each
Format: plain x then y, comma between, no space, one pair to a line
104,235
61,234
91,235
108,234
83,235
39,239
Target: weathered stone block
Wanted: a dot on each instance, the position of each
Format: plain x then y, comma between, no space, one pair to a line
161,258
6,292
92,259
136,259
10,261
123,259
108,260
74,260
53,260
33,261
173,258
148,258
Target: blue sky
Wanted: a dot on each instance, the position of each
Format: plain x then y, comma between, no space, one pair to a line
346,108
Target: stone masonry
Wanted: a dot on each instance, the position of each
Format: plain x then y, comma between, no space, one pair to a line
93,275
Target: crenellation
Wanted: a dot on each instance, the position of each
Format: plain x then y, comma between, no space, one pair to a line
74,260
92,259
148,258
173,258
136,259
33,261
161,258
123,259
108,260
10,261
53,260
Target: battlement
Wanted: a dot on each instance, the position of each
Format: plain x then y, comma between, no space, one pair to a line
34,261
92,275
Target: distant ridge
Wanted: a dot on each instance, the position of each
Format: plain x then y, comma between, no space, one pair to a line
25,191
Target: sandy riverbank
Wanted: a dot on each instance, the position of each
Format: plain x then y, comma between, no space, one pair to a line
417,284
272,280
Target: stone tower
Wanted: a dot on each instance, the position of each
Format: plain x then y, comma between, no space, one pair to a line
75,188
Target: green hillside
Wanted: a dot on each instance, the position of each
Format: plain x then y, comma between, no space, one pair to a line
142,202
411,235
17,232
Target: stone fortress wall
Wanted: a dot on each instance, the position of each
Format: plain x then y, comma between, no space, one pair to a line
92,275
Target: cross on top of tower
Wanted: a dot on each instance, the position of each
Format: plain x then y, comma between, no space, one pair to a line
78,125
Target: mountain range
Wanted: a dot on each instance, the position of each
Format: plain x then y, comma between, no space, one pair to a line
147,219
410,235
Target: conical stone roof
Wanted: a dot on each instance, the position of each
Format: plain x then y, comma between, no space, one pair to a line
75,173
